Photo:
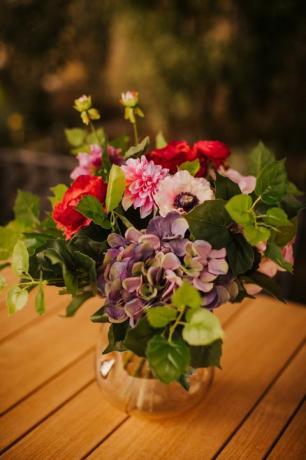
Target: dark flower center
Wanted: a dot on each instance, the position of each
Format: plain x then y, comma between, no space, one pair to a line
185,201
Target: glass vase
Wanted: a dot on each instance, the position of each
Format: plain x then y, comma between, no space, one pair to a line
127,382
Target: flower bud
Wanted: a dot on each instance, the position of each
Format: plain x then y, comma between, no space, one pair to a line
82,103
129,99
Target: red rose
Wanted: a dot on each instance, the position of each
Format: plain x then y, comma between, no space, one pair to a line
66,217
214,151
172,155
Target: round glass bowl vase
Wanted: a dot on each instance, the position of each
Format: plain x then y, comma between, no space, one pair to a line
127,383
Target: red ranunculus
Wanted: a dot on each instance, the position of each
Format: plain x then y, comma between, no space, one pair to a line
213,151
66,217
172,155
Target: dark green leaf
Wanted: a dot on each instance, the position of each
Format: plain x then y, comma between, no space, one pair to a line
273,252
286,233
271,183
88,265
225,188
116,335
240,254
266,282
139,149
99,316
76,303
260,156
91,208
210,221
206,356
137,338
168,361
291,205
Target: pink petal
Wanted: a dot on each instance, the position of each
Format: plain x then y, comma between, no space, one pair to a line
218,266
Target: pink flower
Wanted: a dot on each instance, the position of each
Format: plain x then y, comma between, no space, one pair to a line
88,162
182,192
246,184
142,182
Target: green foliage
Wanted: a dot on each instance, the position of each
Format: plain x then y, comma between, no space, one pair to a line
20,258
202,328
168,361
58,193
137,338
268,284
260,157
225,188
186,295
99,316
8,239
206,355
271,183
256,234
286,233
91,208
240,254
116,335
160,140
75,136
159,317
210,221
139,149
40,300
115,188
273,252
76,303
27,209
17,298
192,167
239,208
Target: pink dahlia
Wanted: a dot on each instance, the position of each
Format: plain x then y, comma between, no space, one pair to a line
142,182
88,162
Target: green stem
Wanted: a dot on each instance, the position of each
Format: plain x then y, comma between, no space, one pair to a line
255,202
94,132
135,132
175,324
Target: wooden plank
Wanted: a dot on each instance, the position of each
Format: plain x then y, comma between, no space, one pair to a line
264,425
9,325
257,345
43,350
292,445
31,411
33,444
72,431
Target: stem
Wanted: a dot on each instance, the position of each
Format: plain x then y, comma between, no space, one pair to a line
256,202
94,132
135,132
176,323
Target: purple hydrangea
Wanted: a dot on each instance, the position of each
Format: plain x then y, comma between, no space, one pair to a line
143,268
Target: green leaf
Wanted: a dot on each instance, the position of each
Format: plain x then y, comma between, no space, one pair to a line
186,295
168,361
225,188
137,338
193,167
210,221
88,265
240,254
271,183
40,300
97,137
273,252
160,140
115,188
239,207
16,299
75,136
276,217
255,235
76,303
27,208
206,355
268,284
161,316
286,233
260,156
293,190
20,258
116,335
99,316
8,239
58,193
291,205
91,208
202,328
2,283
139,149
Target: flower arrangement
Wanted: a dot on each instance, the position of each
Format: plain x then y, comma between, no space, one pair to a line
164,235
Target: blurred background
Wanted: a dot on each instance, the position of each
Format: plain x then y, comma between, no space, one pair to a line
205,69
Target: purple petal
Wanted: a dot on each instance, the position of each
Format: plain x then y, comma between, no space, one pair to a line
203,248
207,277
134,309
131,284
151,240
171,261
115,241
116,314
218,266
179,227
153,275
204,287
177,246
217,253
132,234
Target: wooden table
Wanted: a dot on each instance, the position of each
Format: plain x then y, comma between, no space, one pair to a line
52,408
